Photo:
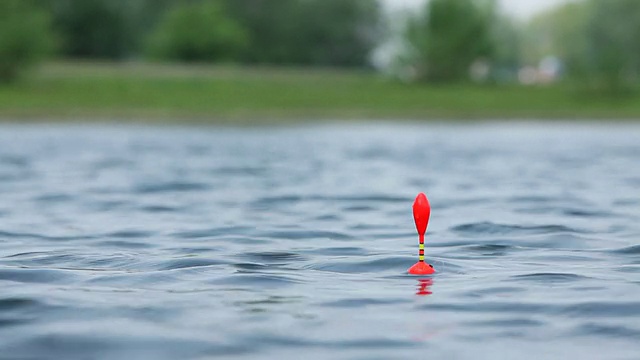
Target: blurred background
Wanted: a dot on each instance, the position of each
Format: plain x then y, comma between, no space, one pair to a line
120,239
242,60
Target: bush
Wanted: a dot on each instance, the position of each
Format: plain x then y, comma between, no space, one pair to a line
24,37
309,32
613,50
199,31
449,36
94,28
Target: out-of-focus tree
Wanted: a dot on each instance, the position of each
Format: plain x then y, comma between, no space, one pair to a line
449,36
198,31
271,25
309,32
25,37
507,45
303,32
560,32
613,50
104,29
343,33
596,40
95,28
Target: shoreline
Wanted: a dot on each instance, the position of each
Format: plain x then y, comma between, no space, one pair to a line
161,93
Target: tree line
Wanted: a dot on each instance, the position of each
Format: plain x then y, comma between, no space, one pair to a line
306,32
447,41
598,42
279,32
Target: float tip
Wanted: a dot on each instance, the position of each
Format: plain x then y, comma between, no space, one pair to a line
421,213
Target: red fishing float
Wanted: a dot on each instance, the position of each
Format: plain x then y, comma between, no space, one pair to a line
421,213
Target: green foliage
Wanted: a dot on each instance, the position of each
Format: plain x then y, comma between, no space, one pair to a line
507,45
24,37
613,51
271,27
96,28
199,31
309,32
449,36
597,41
282,32
560,32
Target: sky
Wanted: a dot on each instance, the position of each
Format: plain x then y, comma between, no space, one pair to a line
520,8
527,8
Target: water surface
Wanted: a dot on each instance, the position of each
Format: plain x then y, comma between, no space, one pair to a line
293,242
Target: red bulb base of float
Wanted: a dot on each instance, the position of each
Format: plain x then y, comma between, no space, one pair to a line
421,268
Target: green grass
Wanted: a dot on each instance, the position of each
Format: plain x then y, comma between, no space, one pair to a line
235,94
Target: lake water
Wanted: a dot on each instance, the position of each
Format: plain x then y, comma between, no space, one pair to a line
134,242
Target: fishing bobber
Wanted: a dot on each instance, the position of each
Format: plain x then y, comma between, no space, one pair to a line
421,213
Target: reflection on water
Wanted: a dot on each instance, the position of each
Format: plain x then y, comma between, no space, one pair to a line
424,286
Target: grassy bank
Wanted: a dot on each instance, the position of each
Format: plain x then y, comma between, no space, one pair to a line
227,94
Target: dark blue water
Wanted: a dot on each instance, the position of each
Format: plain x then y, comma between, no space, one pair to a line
123,242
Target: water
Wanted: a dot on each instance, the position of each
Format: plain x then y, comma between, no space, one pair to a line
293,242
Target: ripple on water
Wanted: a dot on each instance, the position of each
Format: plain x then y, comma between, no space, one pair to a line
159,209
604,309
606,330
375,198
479,251
213,232
582,213
331,251
274,257
514,322
14,161
355,200
251,171
364,265
124,244
257,280
188,263
480,307
80,342
49,276
270,339
136,279
306,234
490,228
362,302
494,290
272,201
359,208
535,199
15,311
130,234
54,198
566,212
627,250
170,187
70,261
548,278
11,304
273,300
250,267
632,269
26,235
